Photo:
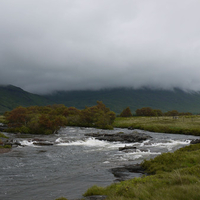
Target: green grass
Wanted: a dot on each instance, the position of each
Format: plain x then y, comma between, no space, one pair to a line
1,142
176,176
2,119
183,125
3,136
5,146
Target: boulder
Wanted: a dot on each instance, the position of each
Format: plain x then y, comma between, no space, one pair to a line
45,143
127,148
41,142
130,128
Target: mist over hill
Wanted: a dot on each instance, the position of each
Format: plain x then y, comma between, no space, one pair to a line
116,99
119,98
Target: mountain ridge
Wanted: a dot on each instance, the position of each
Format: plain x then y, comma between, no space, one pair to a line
116,99
12,97
119,98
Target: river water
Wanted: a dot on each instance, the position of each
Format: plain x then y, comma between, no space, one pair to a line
73,163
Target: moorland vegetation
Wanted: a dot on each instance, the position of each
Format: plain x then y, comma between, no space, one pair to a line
174,176
149,112
156,121
48,119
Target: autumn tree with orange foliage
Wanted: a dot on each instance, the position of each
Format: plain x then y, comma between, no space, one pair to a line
48,119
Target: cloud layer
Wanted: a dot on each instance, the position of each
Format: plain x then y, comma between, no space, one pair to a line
48,45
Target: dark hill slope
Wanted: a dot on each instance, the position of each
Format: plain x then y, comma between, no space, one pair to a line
115,99
118,99
11,97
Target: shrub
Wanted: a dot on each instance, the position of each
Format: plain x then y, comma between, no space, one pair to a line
48,119
126,112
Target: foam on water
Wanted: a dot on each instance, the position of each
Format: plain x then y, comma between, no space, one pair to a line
74,162
170,144
135,155
26,143
59,140
90,142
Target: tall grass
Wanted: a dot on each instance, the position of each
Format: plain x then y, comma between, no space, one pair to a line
183,125
176,176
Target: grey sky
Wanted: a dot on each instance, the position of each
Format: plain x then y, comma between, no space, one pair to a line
50,45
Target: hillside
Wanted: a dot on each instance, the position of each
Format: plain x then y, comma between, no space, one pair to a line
115,99
118,99
11,97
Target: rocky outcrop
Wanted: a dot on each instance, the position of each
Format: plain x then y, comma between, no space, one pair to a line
125,148
129,149
196,141
41,142
12,142
36,141
120,136
44,143
121,173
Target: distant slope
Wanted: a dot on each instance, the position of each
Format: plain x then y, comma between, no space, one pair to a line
115,99
11,97
118,99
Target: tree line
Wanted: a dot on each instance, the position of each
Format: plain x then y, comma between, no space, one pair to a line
147,111
48,119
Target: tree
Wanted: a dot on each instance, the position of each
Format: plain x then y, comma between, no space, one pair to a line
172,113
48,119
158,112
146,111
126,112
17,117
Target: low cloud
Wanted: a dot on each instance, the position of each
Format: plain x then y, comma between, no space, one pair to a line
71,45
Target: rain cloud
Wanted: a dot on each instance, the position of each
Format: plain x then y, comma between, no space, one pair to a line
48,45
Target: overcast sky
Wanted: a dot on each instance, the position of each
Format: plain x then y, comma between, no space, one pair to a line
48,45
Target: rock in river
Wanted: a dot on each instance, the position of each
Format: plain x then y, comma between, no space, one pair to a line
120,136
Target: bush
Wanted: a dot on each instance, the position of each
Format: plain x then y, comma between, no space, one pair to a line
126,112
48,119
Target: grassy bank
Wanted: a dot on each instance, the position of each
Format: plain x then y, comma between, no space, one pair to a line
4,148
174,176
2,119
183,125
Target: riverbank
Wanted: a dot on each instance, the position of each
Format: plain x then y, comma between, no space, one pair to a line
189,125
172,176
4,148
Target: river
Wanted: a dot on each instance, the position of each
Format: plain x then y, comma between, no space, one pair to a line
74,162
